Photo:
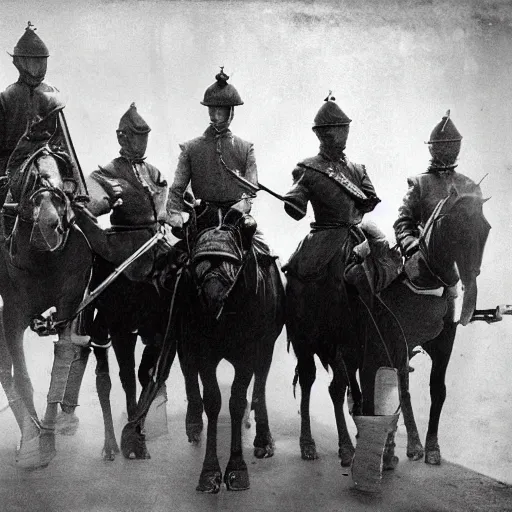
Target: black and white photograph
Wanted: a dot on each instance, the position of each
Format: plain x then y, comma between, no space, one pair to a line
255,255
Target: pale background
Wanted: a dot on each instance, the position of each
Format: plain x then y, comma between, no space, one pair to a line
395,67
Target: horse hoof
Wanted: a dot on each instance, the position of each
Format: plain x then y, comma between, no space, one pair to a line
133,442
109,451
264,452
210,481
346,454
389,462
193,431
415,453
35,453
237,480
308,450
264,446
66,424
433,457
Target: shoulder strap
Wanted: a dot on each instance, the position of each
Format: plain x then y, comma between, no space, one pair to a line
341,180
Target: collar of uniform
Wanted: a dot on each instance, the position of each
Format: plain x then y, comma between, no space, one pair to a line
437,169
132,160
212,133
321,163
341,160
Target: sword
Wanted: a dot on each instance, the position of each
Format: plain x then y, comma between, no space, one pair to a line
492,315
91,297
256,188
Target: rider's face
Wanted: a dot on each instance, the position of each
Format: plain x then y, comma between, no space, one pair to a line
33,69
219,115
334,137
135,144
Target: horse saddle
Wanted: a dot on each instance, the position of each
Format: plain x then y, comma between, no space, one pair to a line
420,278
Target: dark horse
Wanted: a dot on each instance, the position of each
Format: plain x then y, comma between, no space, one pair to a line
231,306
131,306
45,261
455,235
451,247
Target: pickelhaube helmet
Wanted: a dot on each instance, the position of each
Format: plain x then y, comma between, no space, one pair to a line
445,131
330,114
221,94
30,44
132,120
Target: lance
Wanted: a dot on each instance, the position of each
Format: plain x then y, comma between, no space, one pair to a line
71,148
256,188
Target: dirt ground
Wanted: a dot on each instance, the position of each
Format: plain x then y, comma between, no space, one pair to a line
395,67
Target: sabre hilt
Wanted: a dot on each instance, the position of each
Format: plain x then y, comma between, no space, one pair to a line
492,315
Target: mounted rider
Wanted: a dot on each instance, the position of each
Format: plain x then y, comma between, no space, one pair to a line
28,99
340,193
428,188
207,163
134,193
424,193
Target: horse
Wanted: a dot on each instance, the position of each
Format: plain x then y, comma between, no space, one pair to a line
45,261
131,306
230,306
451,248
383,325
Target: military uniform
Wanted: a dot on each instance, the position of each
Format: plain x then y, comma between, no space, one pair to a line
340,193
200,166
23,100
134,193
204,162
427,189
130,189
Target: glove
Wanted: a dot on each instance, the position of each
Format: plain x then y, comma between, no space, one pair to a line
409,245
176,220
368,205
244,205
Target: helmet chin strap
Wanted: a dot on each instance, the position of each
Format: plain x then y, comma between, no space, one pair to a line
224,125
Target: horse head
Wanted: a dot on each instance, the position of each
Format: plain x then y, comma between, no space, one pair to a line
456,234
42,187
218,259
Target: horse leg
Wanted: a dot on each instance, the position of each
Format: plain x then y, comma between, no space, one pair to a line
236,476
155,422
103,387
306,370
124,349
211,475
439,350
337,389
194,417
28,427
415,449
263,442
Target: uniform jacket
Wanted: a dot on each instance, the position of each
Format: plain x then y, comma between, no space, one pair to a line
19,103
140,199
424,193
333,207
200,166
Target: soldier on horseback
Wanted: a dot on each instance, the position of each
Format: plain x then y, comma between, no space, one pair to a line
340,192
207,164
425,192
23,100
27,100
428,188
